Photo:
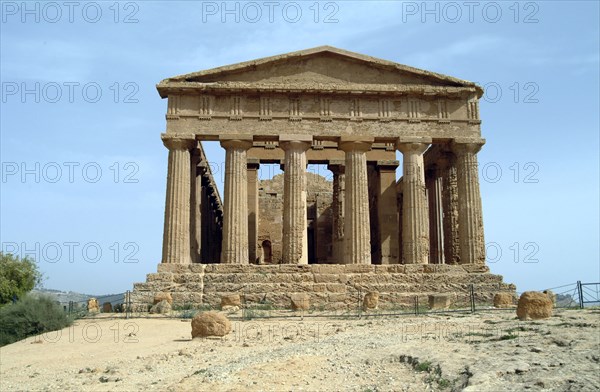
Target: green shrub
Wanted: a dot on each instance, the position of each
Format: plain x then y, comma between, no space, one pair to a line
17,276
32,315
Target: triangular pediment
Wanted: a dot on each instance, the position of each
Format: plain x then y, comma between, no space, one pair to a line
324,66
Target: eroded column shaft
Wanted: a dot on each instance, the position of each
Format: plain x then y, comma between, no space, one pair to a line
415,214
470,225
434,182
235,210
357,243
450,207
176,234
337,210
295,239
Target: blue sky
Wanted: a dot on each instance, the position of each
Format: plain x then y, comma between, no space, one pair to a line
84,170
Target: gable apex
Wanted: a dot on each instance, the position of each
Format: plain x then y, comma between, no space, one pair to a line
319,65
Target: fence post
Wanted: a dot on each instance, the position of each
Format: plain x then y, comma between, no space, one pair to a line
472,297
416,305
127,304
580,294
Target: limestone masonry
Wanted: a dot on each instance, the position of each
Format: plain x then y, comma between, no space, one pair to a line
363,231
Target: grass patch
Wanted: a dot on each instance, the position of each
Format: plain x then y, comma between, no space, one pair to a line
423,366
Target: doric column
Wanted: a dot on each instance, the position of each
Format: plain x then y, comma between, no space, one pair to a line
470,217
295,236
433,181
387,211
198,170
176,234
415,214
235,210
357,243
337,210
447,166
400,203
252,175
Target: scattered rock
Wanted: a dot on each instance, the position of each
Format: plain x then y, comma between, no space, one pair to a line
92,305
504,300
159,297
440,301
162,307
371,300
210,324
534,305
231,300
300,301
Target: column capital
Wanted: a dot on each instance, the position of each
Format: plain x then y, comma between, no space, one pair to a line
242,142
178,141
412,147
353,143
291,142
461,146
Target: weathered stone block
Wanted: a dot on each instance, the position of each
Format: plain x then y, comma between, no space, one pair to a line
440,301
174,268
534,305
300,301
197,268
163,307
358,268
210,324
231,300
336,287
475,268
414,268
326,278
371,300
504,300
160,277
327,269
158,297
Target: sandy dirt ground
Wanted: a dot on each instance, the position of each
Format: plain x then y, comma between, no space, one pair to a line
485,351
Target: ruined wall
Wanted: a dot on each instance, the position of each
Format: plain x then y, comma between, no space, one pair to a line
319,218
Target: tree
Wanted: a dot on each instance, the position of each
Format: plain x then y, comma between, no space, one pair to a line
17,277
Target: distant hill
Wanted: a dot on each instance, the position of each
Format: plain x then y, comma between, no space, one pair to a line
64,297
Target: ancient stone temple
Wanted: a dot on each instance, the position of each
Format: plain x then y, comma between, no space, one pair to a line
363,230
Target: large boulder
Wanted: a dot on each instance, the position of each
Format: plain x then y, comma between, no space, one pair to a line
210,324
92,305
440,301
534,305
371,300
231,300
158,297
300,301
163,307
504,300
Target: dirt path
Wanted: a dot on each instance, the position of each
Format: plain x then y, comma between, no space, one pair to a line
480,352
